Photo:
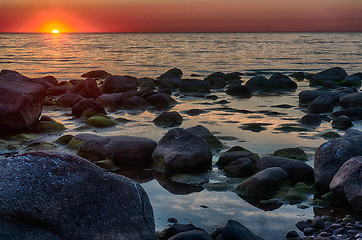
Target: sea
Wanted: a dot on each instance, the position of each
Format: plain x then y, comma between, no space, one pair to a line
67,56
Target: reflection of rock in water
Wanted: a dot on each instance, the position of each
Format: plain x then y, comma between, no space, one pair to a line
175,187
136,174
266,205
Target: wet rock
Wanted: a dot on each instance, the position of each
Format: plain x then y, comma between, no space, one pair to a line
100,122
234,230
346,182
277,82
354,113
21,104
332,74
172,73
194,234
161,100
216,80
122,150
294,153
47,125
69,99
318,223
180,150
194,85
351,100
87,104
308,96
330,135
136,102
342,122
254,127
310,120
263,184
10,75
40,146
298,75
87,89
96,74
321,104
233,154
241,167
53,195
206,135
195,112
350,81
330,156
297,171
112,100
168,119
58,90
116,84
64,140
191,179
239,91
290,127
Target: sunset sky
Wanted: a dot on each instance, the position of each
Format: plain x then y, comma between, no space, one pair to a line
180,16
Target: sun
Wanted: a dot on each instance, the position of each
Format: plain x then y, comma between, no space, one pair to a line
55,31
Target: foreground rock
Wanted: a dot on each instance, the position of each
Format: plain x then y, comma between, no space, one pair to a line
277,82
21,104
53,195
180,150
122,150
330,156
347,182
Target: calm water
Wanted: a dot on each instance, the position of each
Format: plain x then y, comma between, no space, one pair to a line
67,56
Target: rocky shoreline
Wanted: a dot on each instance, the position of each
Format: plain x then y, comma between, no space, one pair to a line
270,180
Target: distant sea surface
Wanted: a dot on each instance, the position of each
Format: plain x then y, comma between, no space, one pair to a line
67,56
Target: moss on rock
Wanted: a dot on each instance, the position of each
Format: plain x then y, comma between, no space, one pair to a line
100,122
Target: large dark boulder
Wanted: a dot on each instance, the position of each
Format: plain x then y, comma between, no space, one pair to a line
116,83
347,182
321,104
87,89
234,230
161,100
122,150
54,195
263,184
332,74
351,100
297,170
354,113
239,91
87,104
21,104
277,82
194,85
112,100
330,156
180,150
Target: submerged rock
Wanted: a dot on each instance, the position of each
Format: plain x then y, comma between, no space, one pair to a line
330,156
347,182
332,74
21,104
294,153
54,195
180,150
116,84
239,91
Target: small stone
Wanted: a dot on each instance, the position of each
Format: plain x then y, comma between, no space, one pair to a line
172,220
309,231
301,225
324,234
318,223
292,234
336,225
353,232
358,235
338,231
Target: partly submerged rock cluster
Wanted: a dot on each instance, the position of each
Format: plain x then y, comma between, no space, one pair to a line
44,193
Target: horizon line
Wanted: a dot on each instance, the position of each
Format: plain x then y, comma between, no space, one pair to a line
327,31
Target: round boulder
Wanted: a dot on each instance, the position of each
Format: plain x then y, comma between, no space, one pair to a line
54,195
87,104
116,83
321,104
180,150
168,119
347,182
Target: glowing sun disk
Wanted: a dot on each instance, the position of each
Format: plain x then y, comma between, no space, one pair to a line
55,31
